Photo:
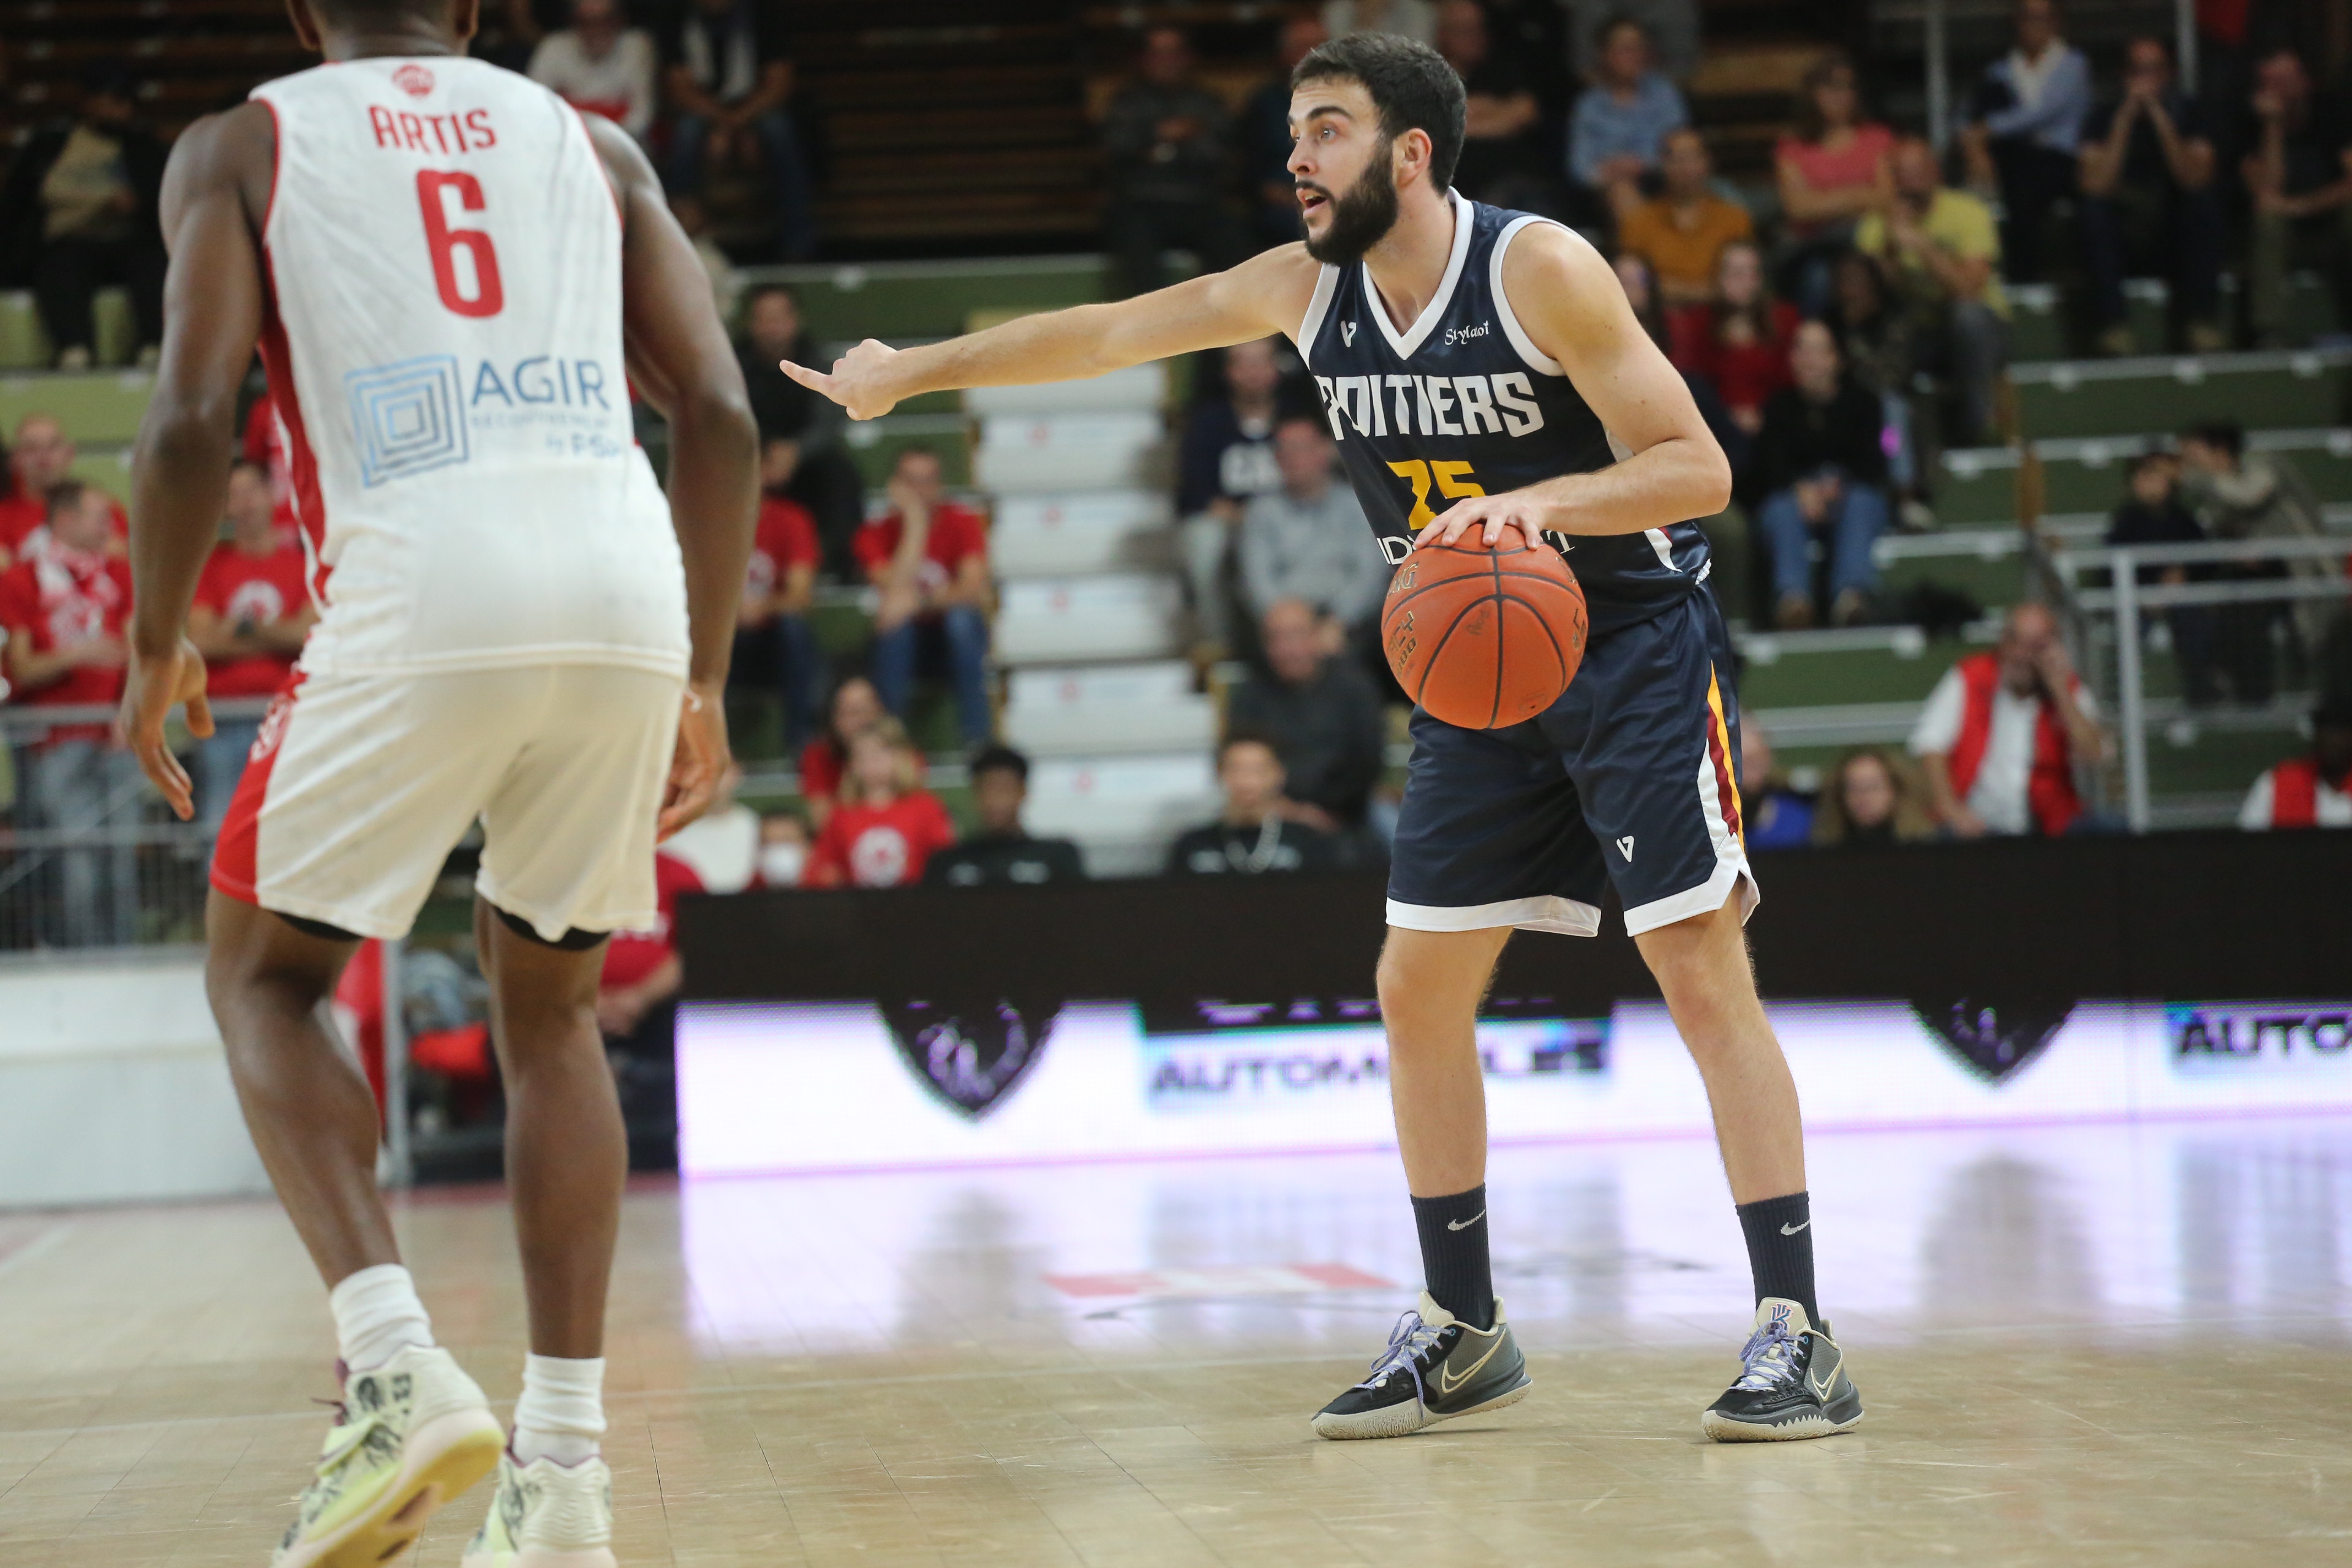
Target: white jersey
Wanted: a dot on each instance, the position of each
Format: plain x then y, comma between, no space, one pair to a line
444,345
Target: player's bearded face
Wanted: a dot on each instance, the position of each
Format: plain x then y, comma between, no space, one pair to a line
1360,217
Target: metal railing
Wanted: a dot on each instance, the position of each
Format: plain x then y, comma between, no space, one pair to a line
2222,666
89,855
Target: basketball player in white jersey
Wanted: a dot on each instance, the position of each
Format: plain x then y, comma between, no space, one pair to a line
453,279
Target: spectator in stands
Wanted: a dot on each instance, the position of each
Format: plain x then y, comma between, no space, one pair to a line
772,634
1942,249
929,557
1682,231
2148,204
1256,834
2152,513
1165,139
2003,732
1227,457
599,65
1320,710
2238,494
1673,27
1415,19
725,282
1870,799
1875,339
2313,790
856,707
727,75
636,999
1831,170
824,478
2299,177
1617,133
39,459
887,827
2026,127
1738,344
1502,150
1819,466
1774,816
251,613
784,845
78,211
64,612
1266,137
1308,540
1001,852
721,846
1535,34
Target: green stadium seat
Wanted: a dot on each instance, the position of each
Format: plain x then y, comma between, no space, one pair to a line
896,300
2108,398
99,407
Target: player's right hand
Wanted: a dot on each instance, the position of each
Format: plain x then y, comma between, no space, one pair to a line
699,761
859,383
151,688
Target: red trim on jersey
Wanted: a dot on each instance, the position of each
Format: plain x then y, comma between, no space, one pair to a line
2295,793
277,368
237,853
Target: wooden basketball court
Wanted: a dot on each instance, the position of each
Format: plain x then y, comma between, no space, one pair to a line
2078,1346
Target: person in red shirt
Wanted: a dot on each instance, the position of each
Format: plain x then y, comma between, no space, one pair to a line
1740,343
773,631
929,559
637,1009
39,459
251,613
855,708
64,609
887,827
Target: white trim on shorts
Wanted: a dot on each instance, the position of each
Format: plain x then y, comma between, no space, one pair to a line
1545,911
1707,897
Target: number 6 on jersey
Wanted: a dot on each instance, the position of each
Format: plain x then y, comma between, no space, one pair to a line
433,188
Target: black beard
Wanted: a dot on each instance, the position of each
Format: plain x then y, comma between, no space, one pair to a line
1362,218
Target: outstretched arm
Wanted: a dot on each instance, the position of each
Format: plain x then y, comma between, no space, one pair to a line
1264,295
680,359
1574,308
216,195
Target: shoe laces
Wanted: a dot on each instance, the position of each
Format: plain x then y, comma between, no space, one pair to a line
1768,1360
1412,1338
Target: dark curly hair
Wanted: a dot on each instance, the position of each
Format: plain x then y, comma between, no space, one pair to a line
1410,84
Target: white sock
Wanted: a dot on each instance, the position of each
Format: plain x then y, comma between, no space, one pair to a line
560,1415
377,1315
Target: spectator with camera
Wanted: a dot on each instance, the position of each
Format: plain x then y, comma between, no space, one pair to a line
929,560
1320,710
2004,731
251,613
1001,852
1258,833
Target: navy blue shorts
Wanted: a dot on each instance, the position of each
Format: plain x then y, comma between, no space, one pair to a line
1631,777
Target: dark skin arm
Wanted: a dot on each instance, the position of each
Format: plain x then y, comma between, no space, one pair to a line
216,195
681,360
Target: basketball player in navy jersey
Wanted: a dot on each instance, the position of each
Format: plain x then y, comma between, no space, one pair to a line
1483,371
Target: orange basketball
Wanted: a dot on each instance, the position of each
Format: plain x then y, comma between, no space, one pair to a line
1484,638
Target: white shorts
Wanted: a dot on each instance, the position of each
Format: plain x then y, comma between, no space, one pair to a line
359,785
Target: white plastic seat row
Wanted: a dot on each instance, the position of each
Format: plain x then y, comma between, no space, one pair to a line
1077,534
1124,811
1059,453
1072,620
1107,709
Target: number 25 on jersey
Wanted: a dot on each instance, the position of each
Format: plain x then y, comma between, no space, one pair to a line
435,190
1453,481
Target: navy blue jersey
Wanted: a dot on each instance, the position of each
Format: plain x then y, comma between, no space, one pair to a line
1464,404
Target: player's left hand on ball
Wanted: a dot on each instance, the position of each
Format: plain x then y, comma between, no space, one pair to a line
699,761
151,688
1494,516
859,381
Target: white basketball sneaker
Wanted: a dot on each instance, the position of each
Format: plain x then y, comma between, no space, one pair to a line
547,1515
409,1436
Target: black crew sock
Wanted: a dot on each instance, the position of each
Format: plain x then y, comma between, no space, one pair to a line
1454,1254
1781,1249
